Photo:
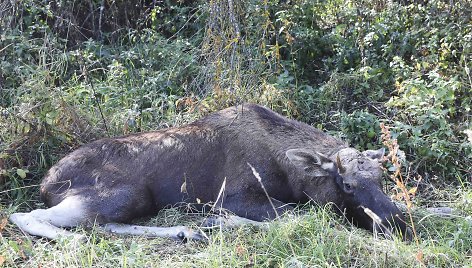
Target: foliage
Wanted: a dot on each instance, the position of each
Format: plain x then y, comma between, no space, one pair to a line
361,129
55,96
429,107
321,62
407,65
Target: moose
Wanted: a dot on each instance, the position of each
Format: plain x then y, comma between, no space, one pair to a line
113,181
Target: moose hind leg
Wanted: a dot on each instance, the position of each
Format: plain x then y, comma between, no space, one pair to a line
48,222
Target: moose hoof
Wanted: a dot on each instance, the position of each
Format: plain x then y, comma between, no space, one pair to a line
186,235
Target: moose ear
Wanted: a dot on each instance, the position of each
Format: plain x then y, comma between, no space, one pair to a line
313,163
374,154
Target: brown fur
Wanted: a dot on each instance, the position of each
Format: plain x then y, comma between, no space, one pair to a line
128,177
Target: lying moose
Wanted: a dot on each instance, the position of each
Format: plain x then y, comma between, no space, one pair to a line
117,180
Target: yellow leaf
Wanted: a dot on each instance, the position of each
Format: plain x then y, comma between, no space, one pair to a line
412,190
2,261
419,256
3,223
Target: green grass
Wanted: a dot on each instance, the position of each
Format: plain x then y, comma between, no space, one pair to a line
314,237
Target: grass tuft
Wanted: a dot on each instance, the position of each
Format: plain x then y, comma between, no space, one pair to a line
310,237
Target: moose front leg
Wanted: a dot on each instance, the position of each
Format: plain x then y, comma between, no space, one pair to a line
258,208
230,221
181,233
249,211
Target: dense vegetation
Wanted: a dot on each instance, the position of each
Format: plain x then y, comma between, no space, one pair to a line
75,71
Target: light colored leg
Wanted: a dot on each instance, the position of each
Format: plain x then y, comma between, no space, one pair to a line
47,222
182,233
232,221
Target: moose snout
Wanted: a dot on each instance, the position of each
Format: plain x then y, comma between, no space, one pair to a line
392,224
388,228
388,223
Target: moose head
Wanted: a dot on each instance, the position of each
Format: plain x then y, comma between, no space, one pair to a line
357,176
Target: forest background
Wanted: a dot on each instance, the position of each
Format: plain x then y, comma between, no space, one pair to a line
75,71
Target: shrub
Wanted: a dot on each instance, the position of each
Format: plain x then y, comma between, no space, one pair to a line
407,64
361,129
425,110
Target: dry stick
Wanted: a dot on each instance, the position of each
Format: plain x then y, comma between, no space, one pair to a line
258,177
377,222
1,50
94,95
408,203
92,12
35,185
102,7
220,195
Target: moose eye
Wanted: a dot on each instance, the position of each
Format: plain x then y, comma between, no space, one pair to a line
348,187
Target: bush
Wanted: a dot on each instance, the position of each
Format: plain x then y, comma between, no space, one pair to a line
409,65
341,66
361,129
424,111
55,96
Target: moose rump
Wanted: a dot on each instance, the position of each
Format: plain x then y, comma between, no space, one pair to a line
117,180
